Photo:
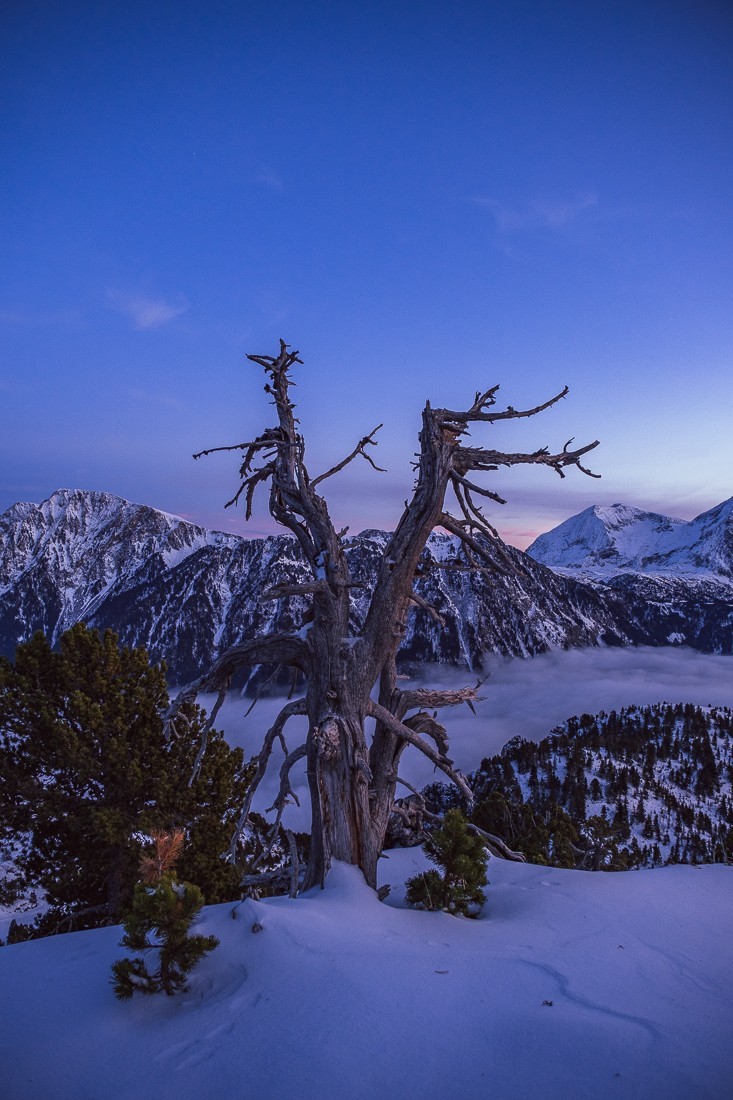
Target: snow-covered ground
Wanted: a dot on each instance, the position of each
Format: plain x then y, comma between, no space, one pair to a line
341,996
571,985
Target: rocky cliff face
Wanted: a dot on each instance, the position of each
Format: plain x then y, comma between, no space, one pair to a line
186,593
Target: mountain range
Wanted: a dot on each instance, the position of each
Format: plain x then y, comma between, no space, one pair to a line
187,593
674,576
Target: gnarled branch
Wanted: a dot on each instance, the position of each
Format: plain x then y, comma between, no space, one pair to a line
436,698
253,445
422,722
473,517
470,486
478,458
427,608
270,649
294,864
496,845
405,733
484,401
285,793
358,450
208,726
290,710
456,527
282,591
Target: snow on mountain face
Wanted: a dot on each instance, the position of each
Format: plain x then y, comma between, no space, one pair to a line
674,578
65,556
603,542
186,594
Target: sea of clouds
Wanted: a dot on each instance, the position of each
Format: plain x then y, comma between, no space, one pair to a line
526,698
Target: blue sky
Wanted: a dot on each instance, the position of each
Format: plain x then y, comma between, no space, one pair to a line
425,199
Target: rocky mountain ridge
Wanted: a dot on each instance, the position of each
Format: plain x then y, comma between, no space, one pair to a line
186,593
602,543
674,576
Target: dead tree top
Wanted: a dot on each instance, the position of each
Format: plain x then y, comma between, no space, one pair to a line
280,451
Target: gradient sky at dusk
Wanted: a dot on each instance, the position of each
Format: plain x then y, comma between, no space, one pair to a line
425,198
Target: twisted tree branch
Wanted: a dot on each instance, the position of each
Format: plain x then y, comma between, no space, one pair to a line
436,698
405,733
275,732
358,450
496,845
485,400
428,608
478,458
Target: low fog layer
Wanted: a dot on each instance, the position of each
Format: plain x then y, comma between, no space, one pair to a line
526,698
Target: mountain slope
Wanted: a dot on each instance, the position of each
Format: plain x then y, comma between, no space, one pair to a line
603,542
60,560
675,578
186,593
642,786
570,985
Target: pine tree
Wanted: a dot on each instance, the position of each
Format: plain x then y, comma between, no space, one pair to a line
86,771
165,909
462,858
563,837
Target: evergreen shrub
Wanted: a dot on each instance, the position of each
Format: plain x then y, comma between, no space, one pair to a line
461,856
163,910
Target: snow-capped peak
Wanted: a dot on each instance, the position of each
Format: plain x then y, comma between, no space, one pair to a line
603,541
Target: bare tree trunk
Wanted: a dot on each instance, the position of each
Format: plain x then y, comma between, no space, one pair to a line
352,782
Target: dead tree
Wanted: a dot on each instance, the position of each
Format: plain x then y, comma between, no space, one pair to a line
352,779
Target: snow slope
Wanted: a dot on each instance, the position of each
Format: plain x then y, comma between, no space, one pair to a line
572,985
604,541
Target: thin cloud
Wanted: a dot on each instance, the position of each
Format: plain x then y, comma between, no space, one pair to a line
144,312
538,214
528,698
269,178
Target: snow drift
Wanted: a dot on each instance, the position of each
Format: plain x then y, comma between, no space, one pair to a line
571,985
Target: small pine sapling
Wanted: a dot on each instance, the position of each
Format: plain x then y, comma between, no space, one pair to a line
162,913
462,857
